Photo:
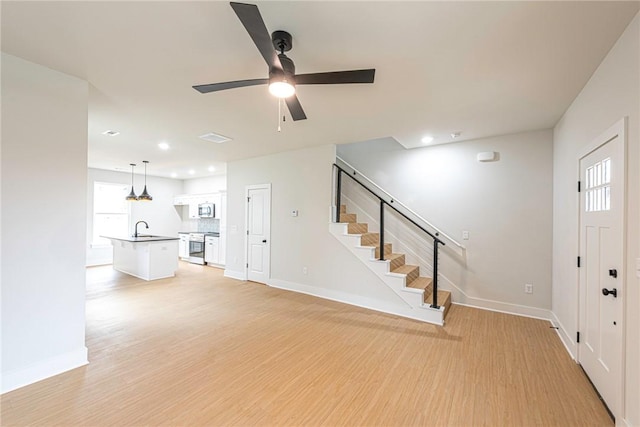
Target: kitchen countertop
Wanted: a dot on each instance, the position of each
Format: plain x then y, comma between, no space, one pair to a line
206,233
141,238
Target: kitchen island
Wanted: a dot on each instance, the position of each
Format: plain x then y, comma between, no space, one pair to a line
146,257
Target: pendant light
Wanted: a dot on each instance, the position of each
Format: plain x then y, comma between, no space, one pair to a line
145,196
132,196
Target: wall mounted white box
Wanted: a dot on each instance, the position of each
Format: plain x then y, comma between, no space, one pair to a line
486,156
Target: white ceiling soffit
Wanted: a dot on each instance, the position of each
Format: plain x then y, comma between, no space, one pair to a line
480,68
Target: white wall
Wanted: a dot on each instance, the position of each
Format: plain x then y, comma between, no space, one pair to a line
163,218
301,180
504,205
611,93
44,169
210,184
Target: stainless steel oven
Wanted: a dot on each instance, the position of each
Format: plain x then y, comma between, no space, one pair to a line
196,248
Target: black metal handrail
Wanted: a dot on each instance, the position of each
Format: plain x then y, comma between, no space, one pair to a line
383,202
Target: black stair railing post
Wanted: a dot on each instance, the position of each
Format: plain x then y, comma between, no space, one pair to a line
435,274
381,230
338,191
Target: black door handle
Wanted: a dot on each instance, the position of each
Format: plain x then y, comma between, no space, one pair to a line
613,292
264,241
613,273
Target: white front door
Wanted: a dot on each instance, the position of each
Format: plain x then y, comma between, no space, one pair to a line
601,285
258,232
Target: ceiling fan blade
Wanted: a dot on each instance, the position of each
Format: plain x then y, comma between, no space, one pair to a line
250,17
214,87
336,77
295,108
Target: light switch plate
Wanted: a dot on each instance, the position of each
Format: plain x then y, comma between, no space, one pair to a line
465,235
294,212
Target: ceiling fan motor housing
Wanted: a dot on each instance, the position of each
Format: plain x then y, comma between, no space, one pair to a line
282,41
288,70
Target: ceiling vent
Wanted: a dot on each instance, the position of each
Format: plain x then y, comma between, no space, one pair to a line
214,137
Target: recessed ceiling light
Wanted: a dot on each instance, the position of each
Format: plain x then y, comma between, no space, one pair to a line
211,169
111,132
191,172
427,139
173,174
163,146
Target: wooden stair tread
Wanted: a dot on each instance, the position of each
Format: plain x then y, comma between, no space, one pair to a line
444,299
348,217
405,269
357,228
387,249
392,256
421,283
343,208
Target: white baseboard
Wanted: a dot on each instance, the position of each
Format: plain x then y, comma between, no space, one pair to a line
565,337
503,307
17,378
621,422
357,300
238,275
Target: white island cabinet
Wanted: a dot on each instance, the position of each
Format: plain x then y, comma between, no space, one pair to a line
146,257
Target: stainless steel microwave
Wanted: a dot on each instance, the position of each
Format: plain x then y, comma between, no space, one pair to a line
206,210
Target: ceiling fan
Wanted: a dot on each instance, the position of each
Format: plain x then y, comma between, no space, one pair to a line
282,72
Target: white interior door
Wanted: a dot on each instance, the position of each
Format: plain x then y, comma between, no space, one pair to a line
258,232
601,286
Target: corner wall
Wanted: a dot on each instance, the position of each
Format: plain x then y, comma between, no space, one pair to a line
612,93
301,180
504,205
44,179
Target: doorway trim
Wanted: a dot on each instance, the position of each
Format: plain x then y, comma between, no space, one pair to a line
617,130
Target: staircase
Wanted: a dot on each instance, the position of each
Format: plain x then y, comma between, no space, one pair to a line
404,279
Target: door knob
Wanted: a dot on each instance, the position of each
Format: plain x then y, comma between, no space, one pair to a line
613,292
613,273
264,241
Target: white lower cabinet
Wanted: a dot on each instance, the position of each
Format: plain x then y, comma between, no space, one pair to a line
183,246
212,249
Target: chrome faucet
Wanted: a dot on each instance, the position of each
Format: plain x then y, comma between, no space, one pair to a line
137,223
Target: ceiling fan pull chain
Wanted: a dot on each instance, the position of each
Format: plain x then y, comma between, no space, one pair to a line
279,112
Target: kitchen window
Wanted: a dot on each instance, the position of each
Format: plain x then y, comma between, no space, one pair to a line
110,211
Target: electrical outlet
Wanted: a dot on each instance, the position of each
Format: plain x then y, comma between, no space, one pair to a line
304,270
528,288
465,235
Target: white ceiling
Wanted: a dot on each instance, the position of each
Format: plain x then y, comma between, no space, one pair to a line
479,68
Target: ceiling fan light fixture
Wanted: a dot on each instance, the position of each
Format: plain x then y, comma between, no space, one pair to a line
281,89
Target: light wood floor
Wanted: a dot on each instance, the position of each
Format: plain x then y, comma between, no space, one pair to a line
201,349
